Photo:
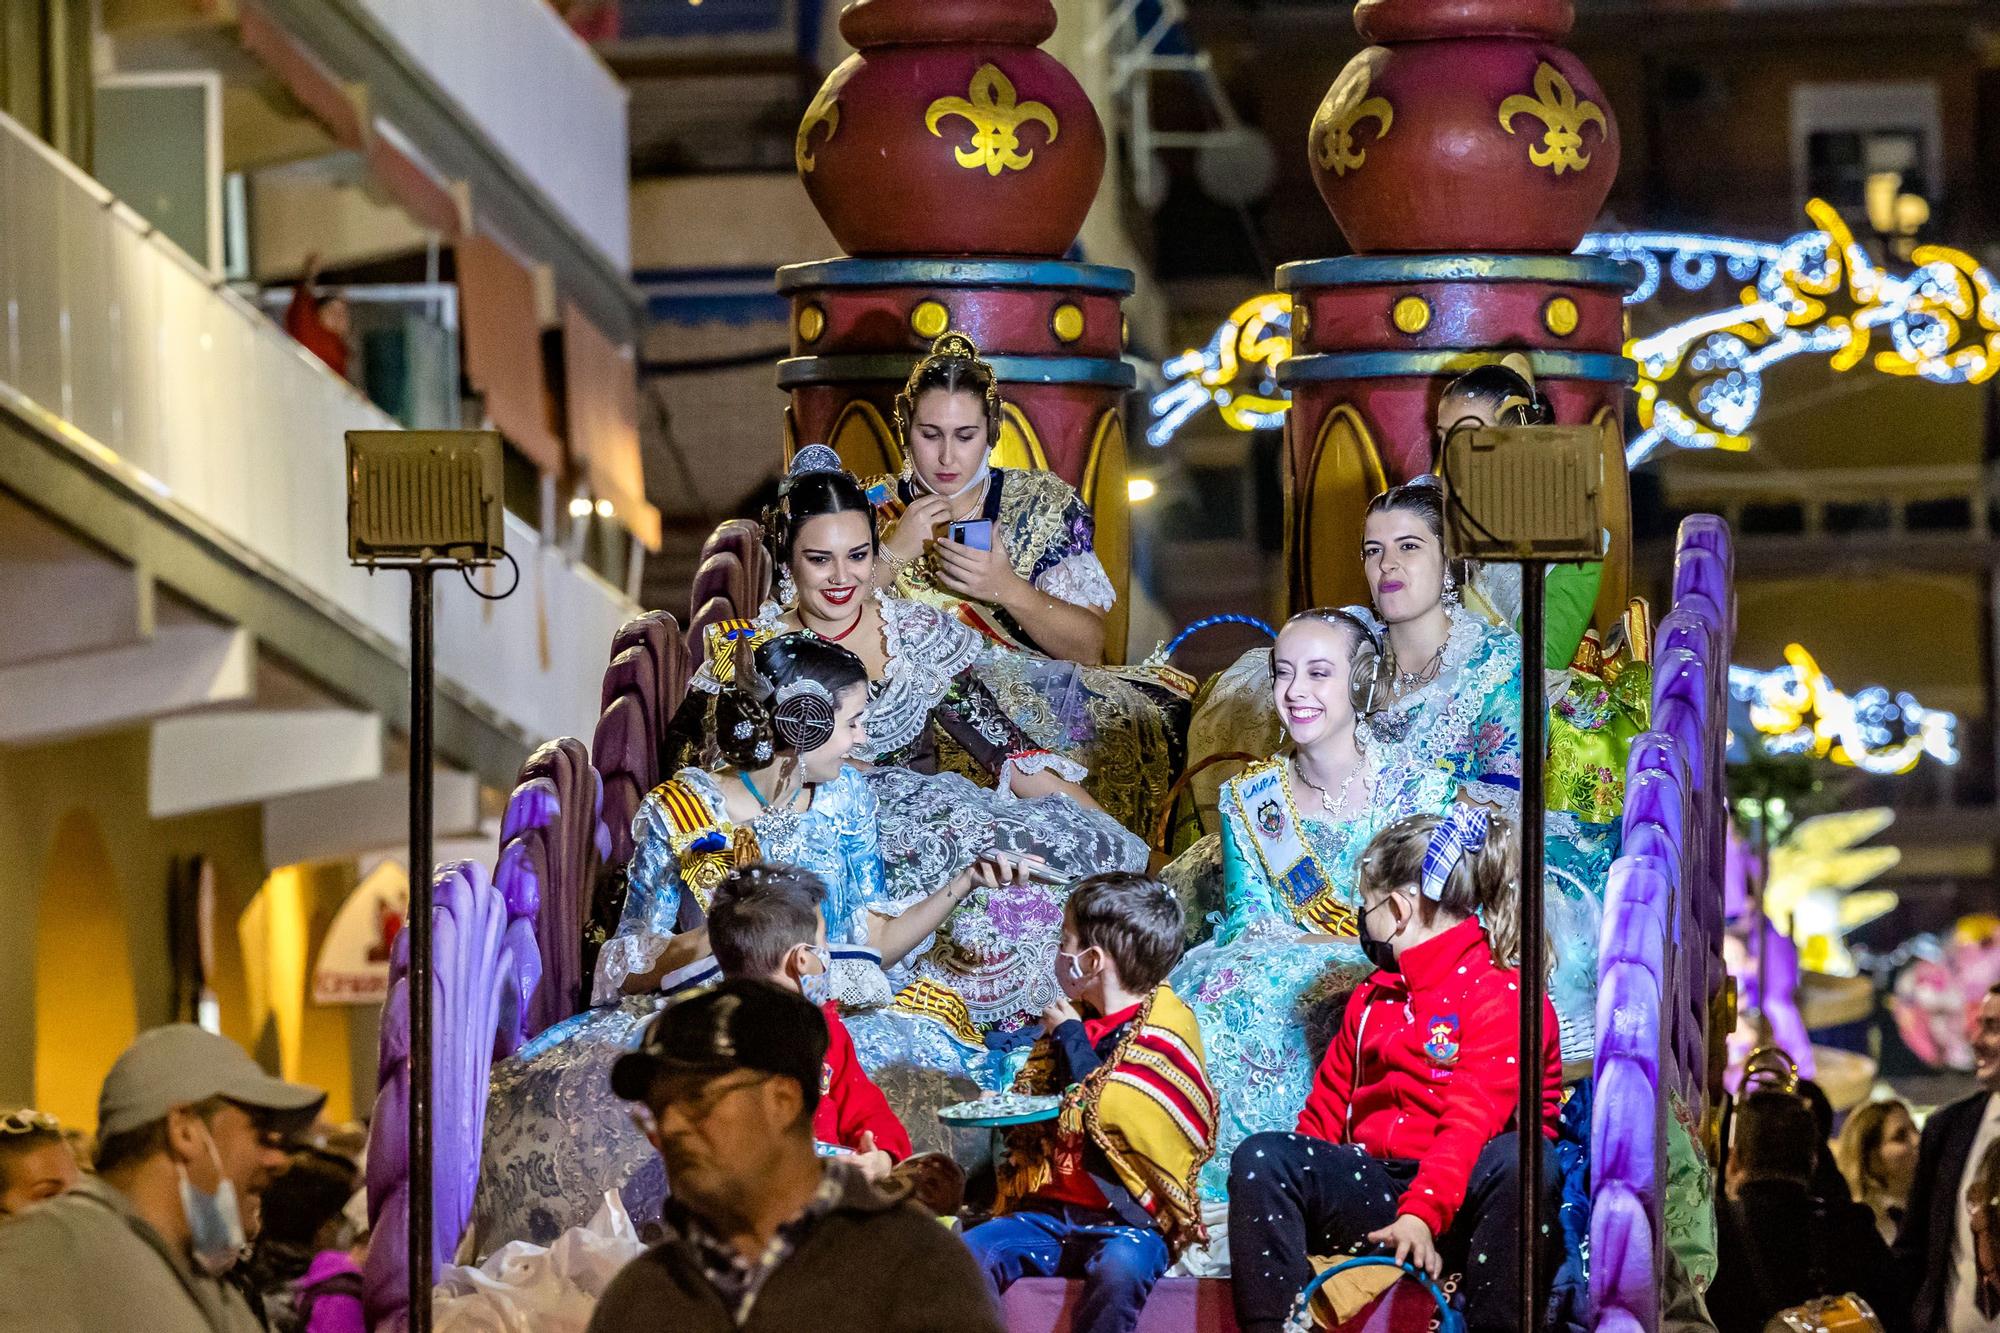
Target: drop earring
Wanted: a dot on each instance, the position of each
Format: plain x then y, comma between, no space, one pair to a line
1450,593
788,591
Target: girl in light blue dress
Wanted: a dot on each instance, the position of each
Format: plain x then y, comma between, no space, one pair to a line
1293,830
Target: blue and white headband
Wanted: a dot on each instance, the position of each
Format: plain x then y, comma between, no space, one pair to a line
1462,830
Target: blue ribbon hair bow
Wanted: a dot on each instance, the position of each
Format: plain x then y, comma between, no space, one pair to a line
1462,830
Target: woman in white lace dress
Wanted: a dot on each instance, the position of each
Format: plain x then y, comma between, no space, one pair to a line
1023,574
989,972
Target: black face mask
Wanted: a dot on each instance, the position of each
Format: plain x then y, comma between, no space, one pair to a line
1379,952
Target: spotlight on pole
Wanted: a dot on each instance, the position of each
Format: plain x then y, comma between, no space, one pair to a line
422,501
1528,495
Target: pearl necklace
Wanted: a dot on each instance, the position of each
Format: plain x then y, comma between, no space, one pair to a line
1339,802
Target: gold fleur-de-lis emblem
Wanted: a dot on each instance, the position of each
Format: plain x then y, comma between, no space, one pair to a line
1346,107
996,119
1555,104
824,111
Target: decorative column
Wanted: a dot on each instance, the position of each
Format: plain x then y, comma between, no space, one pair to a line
955,162
1464,154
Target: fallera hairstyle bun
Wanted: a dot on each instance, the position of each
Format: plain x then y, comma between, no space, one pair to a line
954,365
784,703
817,484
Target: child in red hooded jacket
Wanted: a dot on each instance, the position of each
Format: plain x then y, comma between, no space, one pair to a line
1407,1138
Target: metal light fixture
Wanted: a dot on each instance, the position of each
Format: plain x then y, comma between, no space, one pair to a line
423,501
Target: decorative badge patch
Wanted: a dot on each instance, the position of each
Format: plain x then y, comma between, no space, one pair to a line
1442,1044
1271,819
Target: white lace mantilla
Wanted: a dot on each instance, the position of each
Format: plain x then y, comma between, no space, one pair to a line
926,650
1079,580
1417,732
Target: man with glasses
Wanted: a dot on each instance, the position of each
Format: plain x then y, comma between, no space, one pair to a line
190,1131
762,1233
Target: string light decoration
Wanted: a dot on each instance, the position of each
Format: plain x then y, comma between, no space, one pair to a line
1245,351
1817,294
1797,710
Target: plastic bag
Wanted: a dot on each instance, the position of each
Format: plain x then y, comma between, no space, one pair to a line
525,1288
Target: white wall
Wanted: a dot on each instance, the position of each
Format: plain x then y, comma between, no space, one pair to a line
231,423
537,91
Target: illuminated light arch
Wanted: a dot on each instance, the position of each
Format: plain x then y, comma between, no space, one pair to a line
1797,710
1817,294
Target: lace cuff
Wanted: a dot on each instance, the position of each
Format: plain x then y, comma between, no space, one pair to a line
624,957
1080,580
1038,761
859,983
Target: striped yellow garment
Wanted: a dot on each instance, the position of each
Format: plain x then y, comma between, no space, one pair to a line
926,997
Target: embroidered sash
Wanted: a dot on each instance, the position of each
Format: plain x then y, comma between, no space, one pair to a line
1264,802
707,850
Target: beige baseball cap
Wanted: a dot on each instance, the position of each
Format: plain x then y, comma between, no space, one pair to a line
182,1064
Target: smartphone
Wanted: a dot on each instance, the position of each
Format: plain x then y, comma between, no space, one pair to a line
974,532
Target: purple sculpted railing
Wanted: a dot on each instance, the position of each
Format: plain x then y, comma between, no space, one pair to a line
551,843
486,966
733,580
1660,958
644,685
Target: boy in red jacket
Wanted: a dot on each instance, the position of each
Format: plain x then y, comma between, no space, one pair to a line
764,921
1406,1141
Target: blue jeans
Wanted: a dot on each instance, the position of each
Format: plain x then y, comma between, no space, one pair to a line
1118,1264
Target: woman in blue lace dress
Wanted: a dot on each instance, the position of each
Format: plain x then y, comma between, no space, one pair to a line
1453,706
1293,830
556,1138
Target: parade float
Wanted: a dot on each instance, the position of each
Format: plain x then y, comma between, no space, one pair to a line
1464,153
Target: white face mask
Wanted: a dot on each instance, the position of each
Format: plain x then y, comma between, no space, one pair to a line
215,1222
817,987
985,466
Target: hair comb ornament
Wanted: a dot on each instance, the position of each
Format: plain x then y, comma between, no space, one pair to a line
1462,830
1365,617
804,715
980,378
814,458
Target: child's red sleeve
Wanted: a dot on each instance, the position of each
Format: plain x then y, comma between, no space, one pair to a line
1325,1113
1477,1102
859,1105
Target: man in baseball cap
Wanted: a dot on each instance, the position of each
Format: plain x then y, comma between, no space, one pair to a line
761,1233
190,1131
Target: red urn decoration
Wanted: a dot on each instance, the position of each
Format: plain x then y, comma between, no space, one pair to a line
1465,128
950,132
1464,154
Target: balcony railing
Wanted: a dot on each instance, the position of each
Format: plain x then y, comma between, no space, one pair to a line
238,430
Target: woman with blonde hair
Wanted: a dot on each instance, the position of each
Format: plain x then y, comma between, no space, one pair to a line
1877,1153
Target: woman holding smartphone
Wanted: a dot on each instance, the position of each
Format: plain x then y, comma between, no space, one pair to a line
1008,552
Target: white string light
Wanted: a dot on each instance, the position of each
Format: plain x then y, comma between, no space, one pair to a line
1817,294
